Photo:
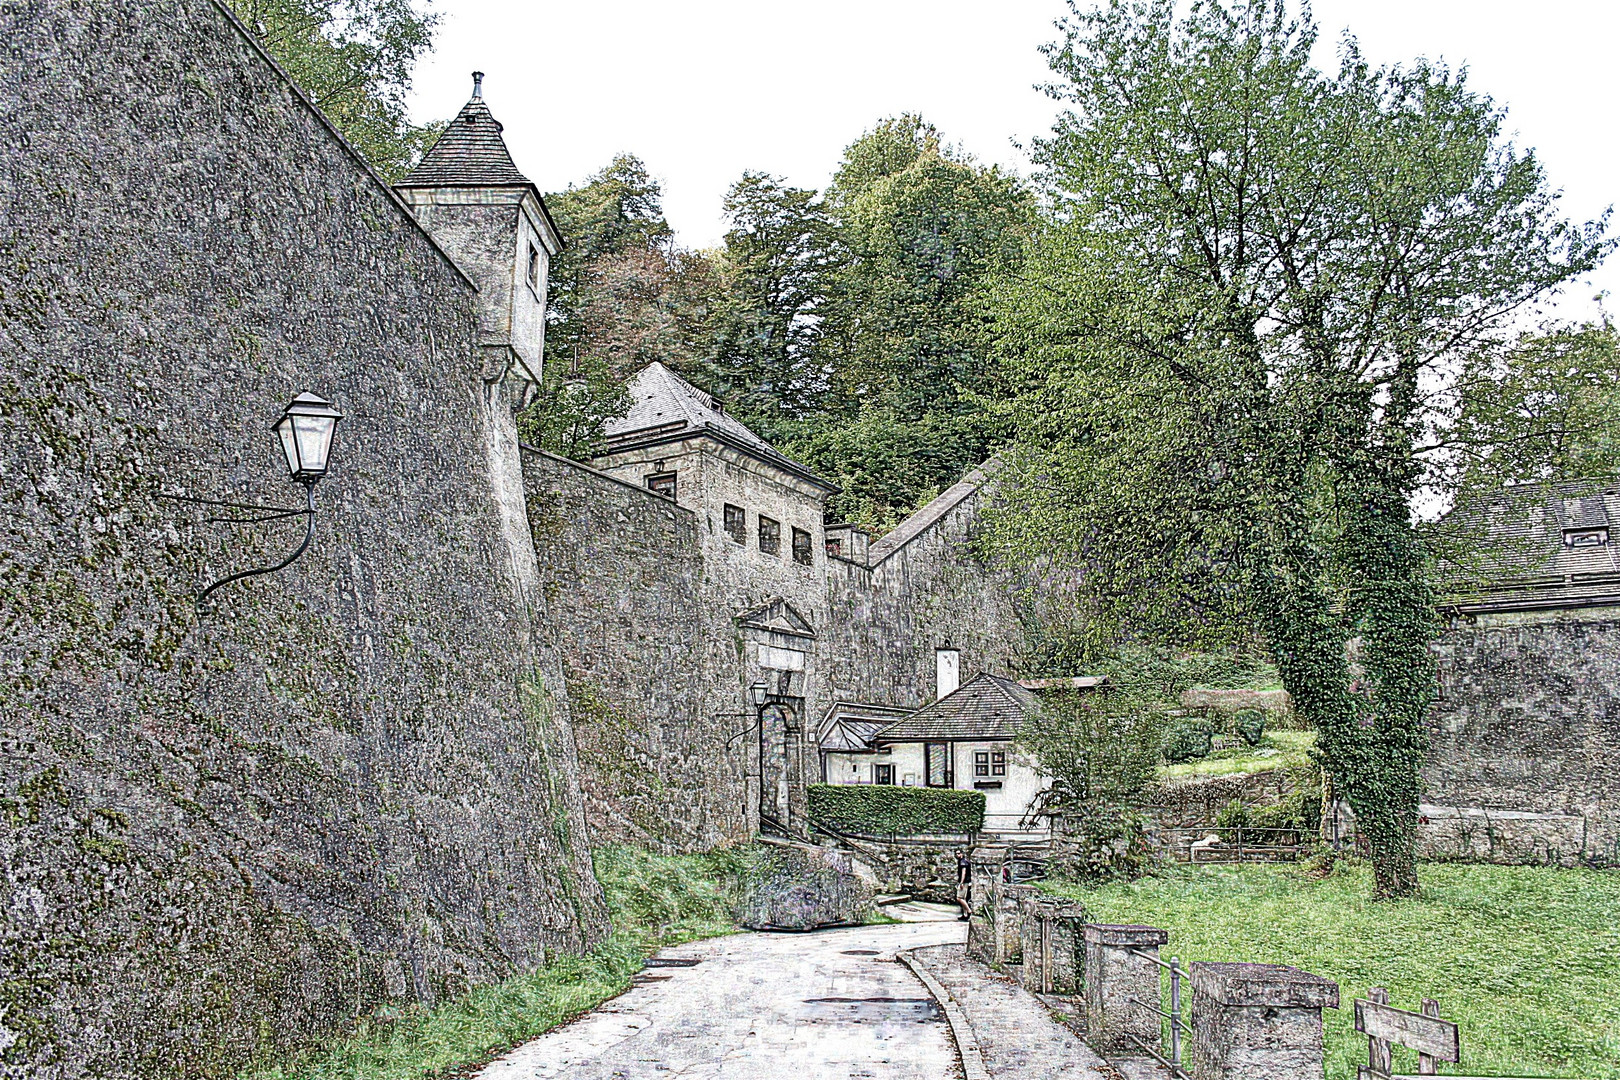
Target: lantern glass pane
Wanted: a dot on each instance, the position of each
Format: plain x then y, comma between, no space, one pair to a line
314,440
289,445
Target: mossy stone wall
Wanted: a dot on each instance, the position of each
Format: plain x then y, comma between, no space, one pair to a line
224,835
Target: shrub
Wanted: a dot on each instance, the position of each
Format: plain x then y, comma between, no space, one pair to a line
1250,724
1188,739
1105,842
1095,748
883,809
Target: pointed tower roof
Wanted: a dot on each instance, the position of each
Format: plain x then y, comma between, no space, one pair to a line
470,153
665,407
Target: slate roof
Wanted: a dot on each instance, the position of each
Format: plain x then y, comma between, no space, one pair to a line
665,407
470,153
1530,546
849,726
985,707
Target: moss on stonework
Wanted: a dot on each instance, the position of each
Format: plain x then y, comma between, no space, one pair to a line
611,748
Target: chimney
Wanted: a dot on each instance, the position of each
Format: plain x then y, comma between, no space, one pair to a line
947,671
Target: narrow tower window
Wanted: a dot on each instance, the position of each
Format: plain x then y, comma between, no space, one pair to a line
801,547
737,523
534,268
770,535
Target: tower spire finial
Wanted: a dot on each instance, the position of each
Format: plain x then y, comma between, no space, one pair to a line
478,86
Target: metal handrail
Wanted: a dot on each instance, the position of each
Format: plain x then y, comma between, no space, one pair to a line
1177,1026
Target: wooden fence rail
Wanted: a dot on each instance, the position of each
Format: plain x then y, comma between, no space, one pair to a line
1434,1039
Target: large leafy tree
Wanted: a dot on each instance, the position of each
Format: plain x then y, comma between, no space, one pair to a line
1545,408
769,300
354,58
919,231
614,305
1228,342
926,227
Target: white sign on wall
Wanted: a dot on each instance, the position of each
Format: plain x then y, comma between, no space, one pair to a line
780,659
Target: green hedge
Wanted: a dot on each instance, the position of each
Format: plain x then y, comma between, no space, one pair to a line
883,809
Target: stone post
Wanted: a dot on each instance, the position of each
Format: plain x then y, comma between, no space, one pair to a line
983,887
1115,975
1010,923
1257,1022
986,862
1031,940
1051,943
1068,962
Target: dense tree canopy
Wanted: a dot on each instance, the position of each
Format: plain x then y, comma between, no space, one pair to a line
354,59
852,330
614,307
1227,341
772,278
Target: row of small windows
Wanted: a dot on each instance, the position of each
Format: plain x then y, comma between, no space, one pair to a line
769,532
936,758
989,763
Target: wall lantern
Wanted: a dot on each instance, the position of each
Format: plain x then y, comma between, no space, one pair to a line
306,436
757,694
305,430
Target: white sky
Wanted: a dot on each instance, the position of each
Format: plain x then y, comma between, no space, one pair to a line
703,89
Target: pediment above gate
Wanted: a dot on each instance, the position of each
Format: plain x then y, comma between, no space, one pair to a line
776,617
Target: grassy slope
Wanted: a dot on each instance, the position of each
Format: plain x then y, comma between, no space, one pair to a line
654,901
1525,959
1277,750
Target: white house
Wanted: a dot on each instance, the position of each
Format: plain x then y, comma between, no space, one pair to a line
965,740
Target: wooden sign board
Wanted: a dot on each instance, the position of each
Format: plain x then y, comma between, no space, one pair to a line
1425,1034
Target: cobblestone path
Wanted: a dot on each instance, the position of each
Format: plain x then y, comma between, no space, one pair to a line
831,1005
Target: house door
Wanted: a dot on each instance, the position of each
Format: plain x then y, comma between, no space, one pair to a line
776,727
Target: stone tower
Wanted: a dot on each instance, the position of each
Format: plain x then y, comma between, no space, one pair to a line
490,218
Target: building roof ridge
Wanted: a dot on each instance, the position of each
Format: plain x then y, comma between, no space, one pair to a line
919,522
663,402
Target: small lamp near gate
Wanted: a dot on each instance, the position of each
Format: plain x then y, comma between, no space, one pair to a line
757,694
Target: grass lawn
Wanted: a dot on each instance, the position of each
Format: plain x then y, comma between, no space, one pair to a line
654,901
1277,750
1526,960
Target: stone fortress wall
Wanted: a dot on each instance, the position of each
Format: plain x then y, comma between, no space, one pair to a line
222,835
1525,739
922,587
646,652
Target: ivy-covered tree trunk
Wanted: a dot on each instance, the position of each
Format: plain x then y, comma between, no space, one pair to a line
1376,750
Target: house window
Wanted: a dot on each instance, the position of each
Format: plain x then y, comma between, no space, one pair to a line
662,484
998,763
737,523
882,774
981,763
835,548
534,268
770,535
937,765
801,547
1586,537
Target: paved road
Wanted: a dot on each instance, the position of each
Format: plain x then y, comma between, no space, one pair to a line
832,1005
